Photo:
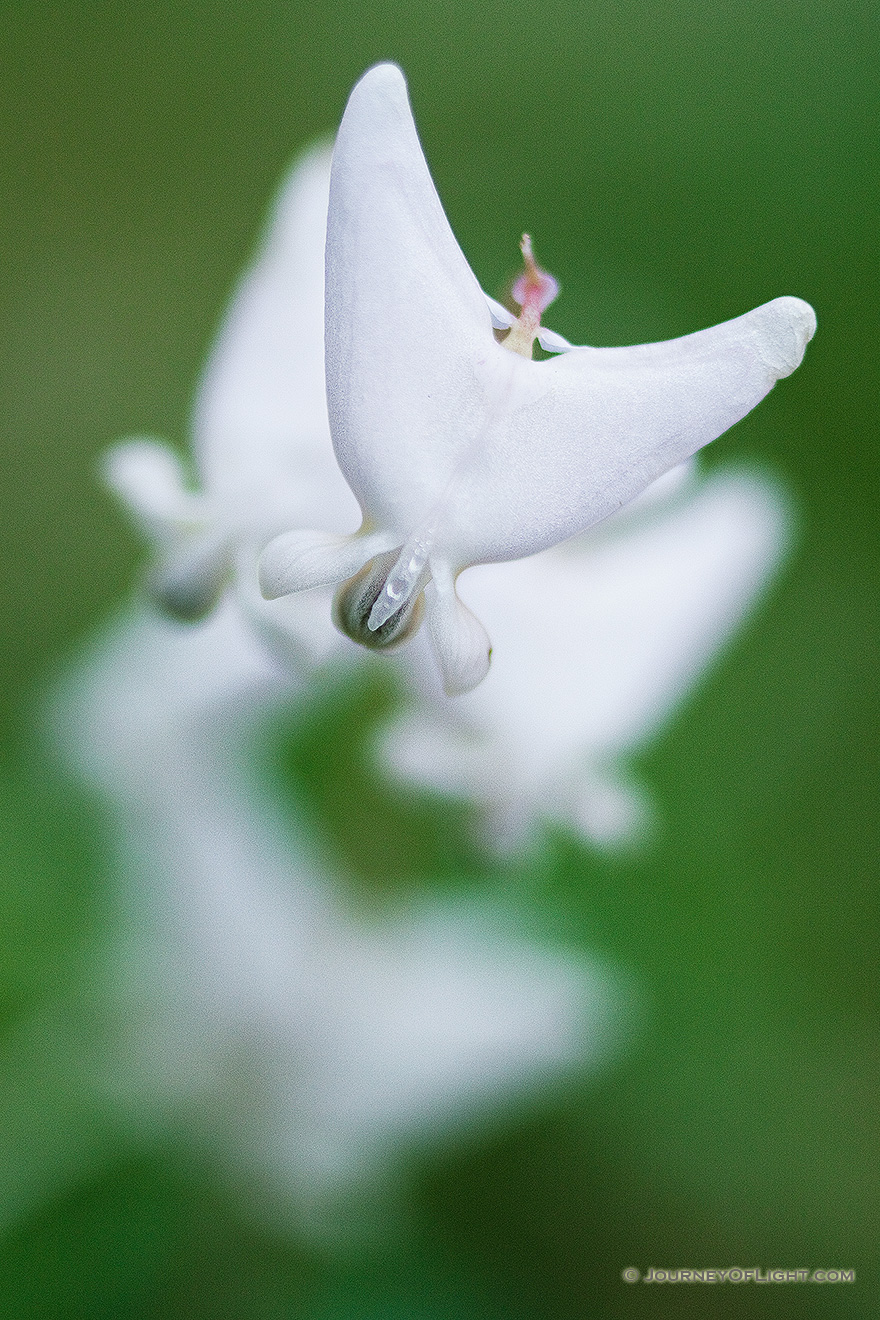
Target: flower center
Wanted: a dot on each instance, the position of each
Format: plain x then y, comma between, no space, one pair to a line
354,605
534,290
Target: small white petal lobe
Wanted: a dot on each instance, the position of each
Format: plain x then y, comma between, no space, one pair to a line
148,477
460,642
298,560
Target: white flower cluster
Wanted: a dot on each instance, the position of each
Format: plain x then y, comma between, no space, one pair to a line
447,446
304,1040
370,425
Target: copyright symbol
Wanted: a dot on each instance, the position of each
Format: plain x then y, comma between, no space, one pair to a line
631,1275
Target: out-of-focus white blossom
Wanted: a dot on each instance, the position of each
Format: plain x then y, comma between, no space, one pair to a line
460,449
622,622
261,440
327,1041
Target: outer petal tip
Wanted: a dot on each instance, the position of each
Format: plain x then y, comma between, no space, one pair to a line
382,77
787,326
148,477
387,70
378,102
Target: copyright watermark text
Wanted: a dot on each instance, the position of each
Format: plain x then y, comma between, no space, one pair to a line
733,1274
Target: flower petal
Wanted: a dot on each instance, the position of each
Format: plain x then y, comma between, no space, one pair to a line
551,342
261,433
502,319
460,642
608,423
407,322
598,643
301,559
316,1042
297,629
148,477
459,446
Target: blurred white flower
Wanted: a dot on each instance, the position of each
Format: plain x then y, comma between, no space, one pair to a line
459,450
261,438
348,1037
622,622
316,1044
356,1037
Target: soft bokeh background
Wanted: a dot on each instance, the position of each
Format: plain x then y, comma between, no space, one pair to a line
677,164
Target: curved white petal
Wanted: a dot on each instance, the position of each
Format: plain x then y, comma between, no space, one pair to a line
407,322
551,342
262,438
460,642
261,433
608,423
502,319
301,559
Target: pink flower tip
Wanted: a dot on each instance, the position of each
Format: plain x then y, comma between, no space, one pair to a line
534,290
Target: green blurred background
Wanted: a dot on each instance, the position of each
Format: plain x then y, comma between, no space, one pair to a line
677,164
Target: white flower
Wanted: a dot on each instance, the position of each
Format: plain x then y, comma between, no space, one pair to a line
459,450
261,438
305,1042
623,622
